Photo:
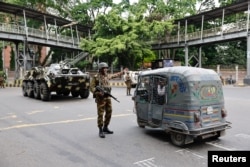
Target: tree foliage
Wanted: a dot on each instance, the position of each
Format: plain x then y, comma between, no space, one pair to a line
87,12
122,34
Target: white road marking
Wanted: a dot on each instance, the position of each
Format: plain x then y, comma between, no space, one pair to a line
243,135
57,122
80,115
220,146
188,153
34,112
147,162
7,117
186,150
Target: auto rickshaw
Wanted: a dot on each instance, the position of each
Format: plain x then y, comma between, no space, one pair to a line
192,106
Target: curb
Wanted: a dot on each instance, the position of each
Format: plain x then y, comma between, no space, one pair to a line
118,84
18,83
240,85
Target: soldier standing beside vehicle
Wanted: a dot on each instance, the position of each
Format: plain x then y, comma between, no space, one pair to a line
104,105
128,83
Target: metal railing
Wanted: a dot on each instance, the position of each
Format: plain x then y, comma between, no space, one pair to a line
77,58
28,31
216,31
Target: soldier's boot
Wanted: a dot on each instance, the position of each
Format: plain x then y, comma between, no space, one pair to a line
101,134
106,130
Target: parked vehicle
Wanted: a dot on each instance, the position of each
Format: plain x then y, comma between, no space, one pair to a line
40,82
192,106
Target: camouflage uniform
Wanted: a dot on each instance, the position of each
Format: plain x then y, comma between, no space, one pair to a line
104,105
1,82
2,79
128,82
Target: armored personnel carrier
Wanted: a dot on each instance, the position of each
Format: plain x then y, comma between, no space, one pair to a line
40,82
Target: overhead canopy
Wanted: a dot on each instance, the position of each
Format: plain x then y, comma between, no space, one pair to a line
240,6
33,14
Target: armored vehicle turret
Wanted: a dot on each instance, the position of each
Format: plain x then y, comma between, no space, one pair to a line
40,82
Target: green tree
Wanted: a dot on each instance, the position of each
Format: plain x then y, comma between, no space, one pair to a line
121,31
123,37
231,53
87,12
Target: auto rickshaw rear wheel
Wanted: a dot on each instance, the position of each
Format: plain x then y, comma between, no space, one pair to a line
217,135
140,123
178,139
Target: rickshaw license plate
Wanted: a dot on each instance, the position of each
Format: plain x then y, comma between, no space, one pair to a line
209,110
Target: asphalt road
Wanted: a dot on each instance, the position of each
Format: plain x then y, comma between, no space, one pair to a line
63,133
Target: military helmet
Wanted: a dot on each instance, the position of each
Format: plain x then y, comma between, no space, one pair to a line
102,65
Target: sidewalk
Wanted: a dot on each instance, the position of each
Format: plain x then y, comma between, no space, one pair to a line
11,82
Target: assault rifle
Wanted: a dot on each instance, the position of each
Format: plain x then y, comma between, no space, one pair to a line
98,88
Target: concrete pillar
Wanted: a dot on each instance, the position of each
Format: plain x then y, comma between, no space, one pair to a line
248,55
218,69
236,73
17,60
247,77
186,55
200,50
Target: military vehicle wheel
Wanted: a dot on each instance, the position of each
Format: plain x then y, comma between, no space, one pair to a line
75,93
178,139
36,91
84,93
58,92
66,93
44,92
24,89
30,91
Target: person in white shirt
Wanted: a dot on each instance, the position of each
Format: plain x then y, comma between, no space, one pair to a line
161,90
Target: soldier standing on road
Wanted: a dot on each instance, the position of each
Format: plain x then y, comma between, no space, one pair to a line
2,79
128,82
104,106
